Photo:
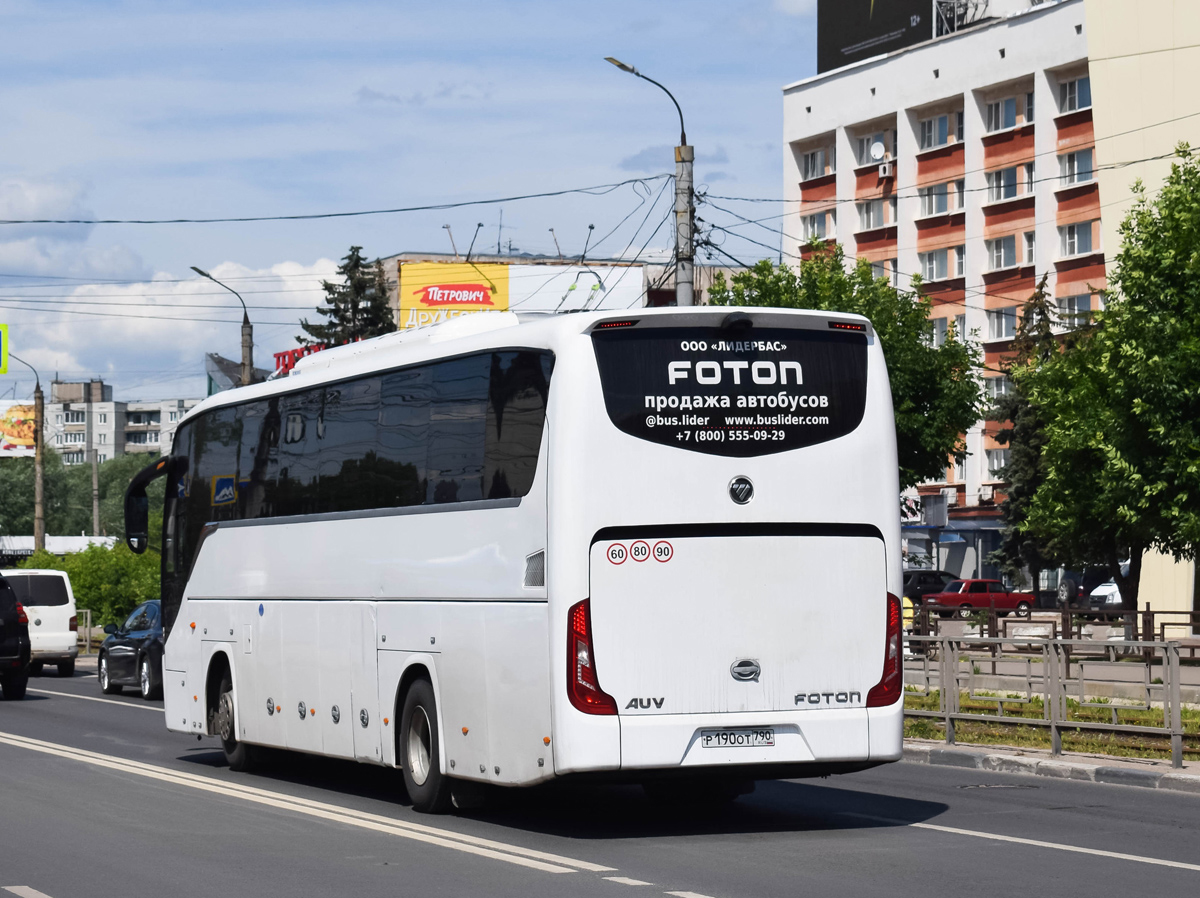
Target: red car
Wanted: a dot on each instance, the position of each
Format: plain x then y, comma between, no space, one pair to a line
979,595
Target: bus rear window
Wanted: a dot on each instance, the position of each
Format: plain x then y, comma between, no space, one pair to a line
761,391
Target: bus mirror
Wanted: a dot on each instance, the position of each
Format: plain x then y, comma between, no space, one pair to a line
137,507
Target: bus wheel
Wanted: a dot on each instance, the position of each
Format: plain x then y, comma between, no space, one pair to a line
238,755
417,751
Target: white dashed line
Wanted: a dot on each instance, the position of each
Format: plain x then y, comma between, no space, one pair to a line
626,881
25,892
686,894
93,698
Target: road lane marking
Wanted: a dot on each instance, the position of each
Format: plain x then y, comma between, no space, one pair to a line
513,854
626,881
686,894
93,698
1036,843
25,892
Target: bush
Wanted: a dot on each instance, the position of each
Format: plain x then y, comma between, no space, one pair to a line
111,582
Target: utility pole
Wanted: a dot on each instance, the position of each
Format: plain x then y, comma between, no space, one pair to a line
95,492
685,155
247,330
39,437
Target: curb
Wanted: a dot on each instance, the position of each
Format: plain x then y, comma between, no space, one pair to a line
1057,768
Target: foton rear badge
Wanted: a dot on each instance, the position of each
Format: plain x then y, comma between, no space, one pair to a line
747,669
741,490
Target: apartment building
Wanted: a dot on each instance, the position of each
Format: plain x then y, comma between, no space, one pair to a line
971,158
82,416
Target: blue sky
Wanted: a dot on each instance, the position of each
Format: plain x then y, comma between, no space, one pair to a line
162,110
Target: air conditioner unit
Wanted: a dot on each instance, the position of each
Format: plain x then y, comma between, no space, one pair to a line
886,170
986,493
951,494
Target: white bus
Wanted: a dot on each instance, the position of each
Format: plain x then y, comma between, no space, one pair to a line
659,547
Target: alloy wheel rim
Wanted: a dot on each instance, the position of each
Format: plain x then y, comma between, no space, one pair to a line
145,678
104,673
419,746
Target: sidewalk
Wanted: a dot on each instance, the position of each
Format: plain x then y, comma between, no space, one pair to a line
1144,772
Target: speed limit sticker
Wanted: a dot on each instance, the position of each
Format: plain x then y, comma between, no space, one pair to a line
617,553
663,551
640,550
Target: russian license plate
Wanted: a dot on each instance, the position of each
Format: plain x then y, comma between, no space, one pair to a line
742,738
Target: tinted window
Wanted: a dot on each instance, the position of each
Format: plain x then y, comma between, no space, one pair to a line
759,391
8,600
38,589
980,587
138,620
954,586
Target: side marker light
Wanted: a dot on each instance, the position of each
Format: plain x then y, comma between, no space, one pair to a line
546,740
465,730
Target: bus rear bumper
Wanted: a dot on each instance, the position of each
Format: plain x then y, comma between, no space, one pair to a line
800,737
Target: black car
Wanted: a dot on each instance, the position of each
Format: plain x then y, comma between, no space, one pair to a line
919,583
133,652
14,644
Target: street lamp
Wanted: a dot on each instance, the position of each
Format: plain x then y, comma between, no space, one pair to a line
39,424
684,157
247,329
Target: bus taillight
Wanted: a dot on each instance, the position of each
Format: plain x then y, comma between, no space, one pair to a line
887,690
583,686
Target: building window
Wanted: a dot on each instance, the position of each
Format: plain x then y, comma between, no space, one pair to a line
960,326
75,417
74,438
1076,311
940,330
58,419
1073,95
933,265
103,417
1030,242
997,461
1029,180
1002,323
960,193
934,200
58,439
1002,184
102,457
886,268
870,215
863,146
813,227
174,416
960,470
958,127
934,132
1075,168
72,458
960,261
997,387
1029,107
1002,114
812,165
101,438
1002,253
1076,239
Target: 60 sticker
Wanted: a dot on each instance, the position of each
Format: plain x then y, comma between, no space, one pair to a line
617,554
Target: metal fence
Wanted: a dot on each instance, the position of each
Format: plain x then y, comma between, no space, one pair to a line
951,665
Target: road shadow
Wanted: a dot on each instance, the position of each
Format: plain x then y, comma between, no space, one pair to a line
592,811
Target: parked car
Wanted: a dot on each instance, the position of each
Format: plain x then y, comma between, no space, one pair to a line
50,606
1105,601
132,653
980,595
919,583
1075,587
14,644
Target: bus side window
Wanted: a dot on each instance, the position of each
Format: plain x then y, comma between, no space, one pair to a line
349,459
516,414
457,429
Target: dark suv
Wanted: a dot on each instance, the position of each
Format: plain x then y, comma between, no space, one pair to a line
918,583
14,644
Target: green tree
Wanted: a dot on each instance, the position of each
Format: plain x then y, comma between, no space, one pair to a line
111,582
354,310
935,391
1025,435
1122,406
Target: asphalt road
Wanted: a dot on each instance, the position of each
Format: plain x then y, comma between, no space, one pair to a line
98,799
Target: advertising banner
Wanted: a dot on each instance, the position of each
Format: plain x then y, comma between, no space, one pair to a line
433,292
16,429
852,30
3,348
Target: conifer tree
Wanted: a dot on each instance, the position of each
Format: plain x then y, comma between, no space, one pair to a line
354,310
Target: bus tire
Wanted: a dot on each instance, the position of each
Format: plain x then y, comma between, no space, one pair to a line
238,755
418,750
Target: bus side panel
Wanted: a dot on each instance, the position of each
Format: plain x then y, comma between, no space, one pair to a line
301,694
364,687
262,675
463,700
339,631
518,684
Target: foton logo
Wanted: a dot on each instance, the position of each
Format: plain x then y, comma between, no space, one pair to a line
454,295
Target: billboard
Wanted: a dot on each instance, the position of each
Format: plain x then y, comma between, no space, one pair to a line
16,429
852,30
432,292
3,348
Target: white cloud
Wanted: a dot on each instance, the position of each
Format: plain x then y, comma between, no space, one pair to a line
796,7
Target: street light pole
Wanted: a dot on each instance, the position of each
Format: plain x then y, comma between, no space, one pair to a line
684,212
39,437
247,330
